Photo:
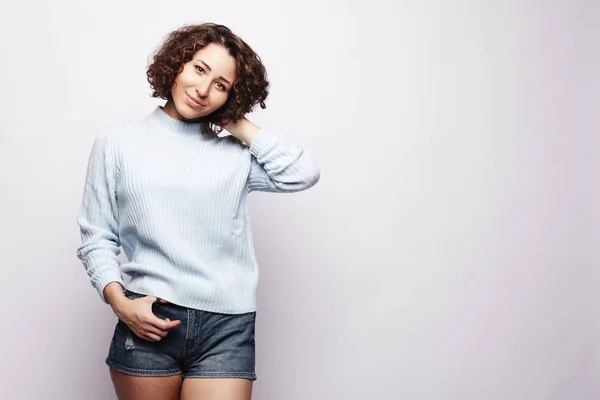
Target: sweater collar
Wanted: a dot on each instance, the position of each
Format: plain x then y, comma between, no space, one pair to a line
170,124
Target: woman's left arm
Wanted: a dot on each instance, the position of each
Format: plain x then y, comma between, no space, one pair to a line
277,164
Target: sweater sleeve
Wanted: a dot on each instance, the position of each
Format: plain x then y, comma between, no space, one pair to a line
279,165
98,218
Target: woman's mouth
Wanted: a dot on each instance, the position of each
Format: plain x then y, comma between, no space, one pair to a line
194,103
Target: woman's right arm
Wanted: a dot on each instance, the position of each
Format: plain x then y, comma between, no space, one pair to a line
98,218
98,221
115,296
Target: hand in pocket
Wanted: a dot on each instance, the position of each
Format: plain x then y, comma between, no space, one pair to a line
138,316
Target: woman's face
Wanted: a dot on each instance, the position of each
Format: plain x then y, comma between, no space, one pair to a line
203,85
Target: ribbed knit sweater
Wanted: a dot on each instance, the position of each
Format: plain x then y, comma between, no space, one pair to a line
175,199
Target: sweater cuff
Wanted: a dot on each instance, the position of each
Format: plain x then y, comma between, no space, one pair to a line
263,140
104,280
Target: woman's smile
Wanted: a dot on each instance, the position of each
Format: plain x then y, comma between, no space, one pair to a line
192,102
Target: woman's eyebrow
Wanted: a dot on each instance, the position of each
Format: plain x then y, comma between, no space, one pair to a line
210,69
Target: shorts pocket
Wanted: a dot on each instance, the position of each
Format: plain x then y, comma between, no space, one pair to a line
132,295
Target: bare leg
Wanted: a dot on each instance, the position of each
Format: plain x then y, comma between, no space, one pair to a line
129,387
216,389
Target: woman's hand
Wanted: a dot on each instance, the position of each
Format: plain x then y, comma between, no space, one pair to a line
243,129
138,316
137,313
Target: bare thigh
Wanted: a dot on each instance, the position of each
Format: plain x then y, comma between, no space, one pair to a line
129,387
216,389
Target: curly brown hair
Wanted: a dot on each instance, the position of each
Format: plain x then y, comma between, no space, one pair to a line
250,88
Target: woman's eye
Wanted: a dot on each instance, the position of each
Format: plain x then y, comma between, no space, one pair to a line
199,68
221,85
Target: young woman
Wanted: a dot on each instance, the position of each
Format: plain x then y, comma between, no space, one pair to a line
173,193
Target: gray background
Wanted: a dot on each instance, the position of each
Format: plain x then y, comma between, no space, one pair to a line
446,253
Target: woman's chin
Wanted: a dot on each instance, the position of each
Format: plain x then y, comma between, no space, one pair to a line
188,113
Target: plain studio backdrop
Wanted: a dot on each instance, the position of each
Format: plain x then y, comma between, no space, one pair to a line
446,253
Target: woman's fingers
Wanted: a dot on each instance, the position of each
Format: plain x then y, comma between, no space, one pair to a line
148,331
157,332
163,324
156,300
147,325
152,337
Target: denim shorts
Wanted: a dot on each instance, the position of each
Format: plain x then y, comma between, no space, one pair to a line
204,345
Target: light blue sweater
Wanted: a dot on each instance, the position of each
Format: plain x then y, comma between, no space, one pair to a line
175,199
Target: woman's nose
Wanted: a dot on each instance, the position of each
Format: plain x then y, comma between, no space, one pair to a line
202,87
